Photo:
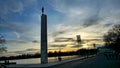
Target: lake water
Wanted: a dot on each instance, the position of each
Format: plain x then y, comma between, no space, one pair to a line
37,60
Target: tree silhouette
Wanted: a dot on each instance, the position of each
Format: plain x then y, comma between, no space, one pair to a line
112,38
2,42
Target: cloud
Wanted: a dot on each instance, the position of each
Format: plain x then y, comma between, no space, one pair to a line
36,41
79,15
17,41
11,6
64,40
90,40
75,46
16,15
92,20
59,45
12,26
64,30
60,29
88,34
56,33
31,49
19,29
17,35
86,12
27,51
9,54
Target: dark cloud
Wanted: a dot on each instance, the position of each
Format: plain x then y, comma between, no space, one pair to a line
75,46
104,10
93,20
94,16
59,45
17,41
20,52
8,6
64,39
11,9
108,25
31,50
36,41
58,33
89,40
11,26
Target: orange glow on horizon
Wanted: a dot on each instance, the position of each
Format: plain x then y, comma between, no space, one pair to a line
62,50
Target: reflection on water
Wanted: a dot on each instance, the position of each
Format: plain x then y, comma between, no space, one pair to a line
37,60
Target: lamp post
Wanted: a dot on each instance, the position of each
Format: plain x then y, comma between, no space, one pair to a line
78,42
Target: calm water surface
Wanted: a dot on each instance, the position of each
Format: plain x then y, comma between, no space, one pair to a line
37,60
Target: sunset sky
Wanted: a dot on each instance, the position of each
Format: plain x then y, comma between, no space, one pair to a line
20,23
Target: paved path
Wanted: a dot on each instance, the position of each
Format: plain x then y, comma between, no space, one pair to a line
98,61
95,62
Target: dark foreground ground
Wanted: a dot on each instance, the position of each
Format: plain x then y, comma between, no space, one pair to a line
99,61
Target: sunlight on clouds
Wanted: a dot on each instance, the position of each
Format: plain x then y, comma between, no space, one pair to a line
69,48
20,21
68,31
85,46
17,35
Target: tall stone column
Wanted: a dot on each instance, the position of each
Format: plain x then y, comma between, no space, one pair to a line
44,56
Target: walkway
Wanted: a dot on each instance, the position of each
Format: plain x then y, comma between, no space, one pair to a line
95,62
98,61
